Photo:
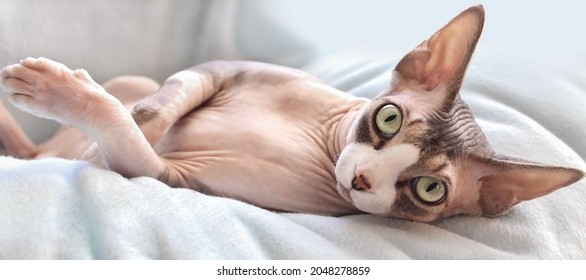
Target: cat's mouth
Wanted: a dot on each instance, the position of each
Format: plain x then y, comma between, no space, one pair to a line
359,183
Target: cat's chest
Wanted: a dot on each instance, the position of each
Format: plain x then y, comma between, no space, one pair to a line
267,148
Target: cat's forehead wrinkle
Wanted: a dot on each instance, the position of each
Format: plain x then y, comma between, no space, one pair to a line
454,132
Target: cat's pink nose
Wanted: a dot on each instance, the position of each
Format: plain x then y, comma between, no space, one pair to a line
360,183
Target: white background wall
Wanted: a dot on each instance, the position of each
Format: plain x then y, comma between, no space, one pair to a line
521,25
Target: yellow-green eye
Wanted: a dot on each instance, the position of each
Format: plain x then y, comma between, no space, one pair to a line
388,120
429,189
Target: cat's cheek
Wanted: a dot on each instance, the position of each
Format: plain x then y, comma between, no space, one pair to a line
375,203
380,202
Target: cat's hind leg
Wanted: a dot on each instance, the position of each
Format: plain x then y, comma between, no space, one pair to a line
129,90
183,92
49,89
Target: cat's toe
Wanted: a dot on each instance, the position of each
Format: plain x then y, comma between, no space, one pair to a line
17,79
42,64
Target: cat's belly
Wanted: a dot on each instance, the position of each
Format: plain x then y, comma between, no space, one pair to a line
256,156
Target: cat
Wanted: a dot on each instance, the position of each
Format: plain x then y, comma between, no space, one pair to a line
278,138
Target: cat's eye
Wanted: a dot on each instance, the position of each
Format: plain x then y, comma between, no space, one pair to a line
388,120
429,189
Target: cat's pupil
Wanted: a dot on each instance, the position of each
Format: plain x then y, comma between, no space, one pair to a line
431,187
390,118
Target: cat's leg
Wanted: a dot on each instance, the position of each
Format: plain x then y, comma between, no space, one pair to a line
15,141
183,92
51,90
129,90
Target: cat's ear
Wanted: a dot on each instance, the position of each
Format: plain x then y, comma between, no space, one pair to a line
443,58
504,182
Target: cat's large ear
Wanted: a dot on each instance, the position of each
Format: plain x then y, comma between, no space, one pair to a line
505,182
443,58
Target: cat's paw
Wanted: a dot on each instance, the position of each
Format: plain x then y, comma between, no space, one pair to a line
49,89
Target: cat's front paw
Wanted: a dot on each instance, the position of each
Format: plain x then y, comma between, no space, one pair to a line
49,89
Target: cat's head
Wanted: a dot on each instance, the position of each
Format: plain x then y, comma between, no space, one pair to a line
416,152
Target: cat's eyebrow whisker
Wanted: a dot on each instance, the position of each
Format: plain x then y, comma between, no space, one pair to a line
440,167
